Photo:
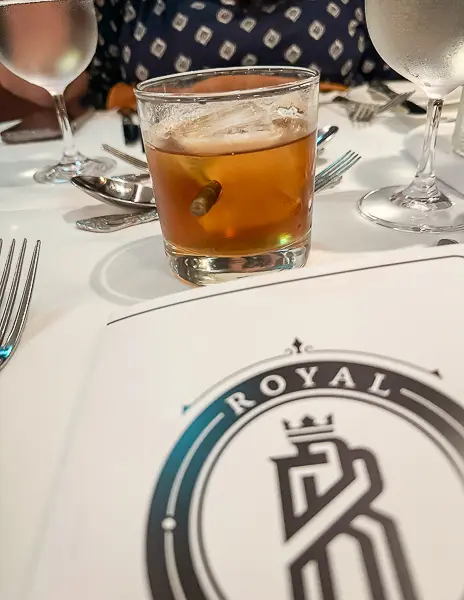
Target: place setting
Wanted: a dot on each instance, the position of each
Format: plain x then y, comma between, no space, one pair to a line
230,284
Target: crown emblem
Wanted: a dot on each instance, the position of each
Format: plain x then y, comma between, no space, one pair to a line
308,426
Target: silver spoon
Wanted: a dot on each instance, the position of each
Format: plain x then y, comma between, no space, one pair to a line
132,191
324,135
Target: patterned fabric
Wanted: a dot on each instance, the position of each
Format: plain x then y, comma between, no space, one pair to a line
148,38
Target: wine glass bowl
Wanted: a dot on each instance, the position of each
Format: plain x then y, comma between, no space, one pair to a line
51,64
423,40
49,43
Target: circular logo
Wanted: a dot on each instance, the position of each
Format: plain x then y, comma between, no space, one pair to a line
318,475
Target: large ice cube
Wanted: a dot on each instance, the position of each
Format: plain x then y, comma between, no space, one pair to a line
243,128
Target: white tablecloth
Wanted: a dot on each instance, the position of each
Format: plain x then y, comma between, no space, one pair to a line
83,277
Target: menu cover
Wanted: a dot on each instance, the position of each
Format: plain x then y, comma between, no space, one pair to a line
288,437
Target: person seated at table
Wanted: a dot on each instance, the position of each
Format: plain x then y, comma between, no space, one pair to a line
139,39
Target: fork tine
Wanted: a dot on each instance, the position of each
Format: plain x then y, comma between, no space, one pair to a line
6,271
367,114
336,178
340,167
364,114
351,109
372,113
12,295
348,165
19,322
357,116
354,159
356,112
331,167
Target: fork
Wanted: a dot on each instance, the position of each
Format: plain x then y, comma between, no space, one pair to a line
332,174
12,325
364,112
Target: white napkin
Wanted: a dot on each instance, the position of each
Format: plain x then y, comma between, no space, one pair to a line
449,166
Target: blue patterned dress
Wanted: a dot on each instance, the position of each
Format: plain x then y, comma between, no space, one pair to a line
148,38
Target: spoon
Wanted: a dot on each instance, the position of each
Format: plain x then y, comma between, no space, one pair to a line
446,242
132,191
324,135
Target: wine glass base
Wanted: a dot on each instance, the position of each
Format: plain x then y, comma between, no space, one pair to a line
64,172
389,207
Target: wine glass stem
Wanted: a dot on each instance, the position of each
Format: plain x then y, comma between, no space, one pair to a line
70,154
424,184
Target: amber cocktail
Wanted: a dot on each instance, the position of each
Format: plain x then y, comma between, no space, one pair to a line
231,154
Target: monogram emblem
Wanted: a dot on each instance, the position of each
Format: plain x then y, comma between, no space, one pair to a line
313,475
318,508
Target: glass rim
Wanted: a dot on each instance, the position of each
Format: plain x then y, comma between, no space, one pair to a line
189,97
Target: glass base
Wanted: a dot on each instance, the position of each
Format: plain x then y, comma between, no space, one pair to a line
392,207
204,270
64,172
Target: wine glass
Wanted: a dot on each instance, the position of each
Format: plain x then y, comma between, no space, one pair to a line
49,43
423,40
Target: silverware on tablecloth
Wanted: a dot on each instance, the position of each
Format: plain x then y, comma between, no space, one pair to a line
126,191
382,88
131,160
365,112
332,174
324,135
446,242
329,177
14,305
110,223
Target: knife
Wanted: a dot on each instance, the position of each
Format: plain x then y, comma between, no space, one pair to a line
411,107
